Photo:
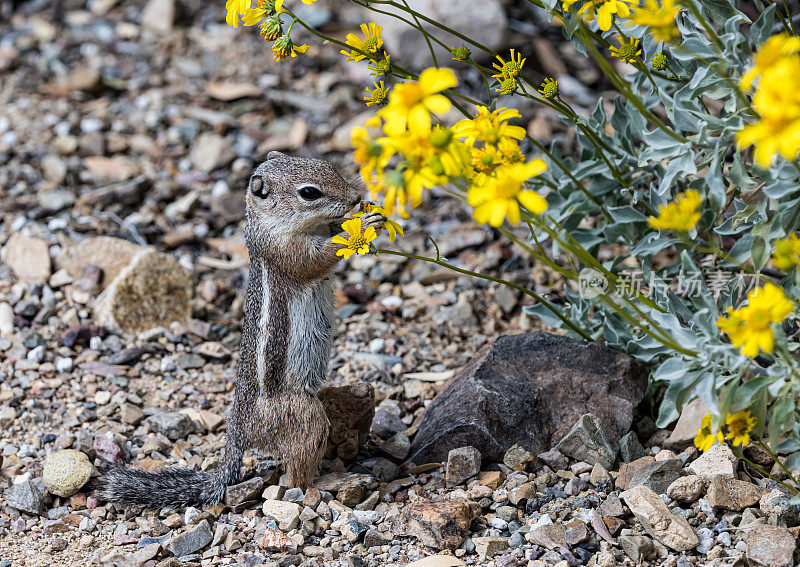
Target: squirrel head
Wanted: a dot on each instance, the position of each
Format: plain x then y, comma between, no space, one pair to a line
291,196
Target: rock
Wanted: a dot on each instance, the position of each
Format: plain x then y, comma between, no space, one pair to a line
436,561
7,416
658,475
627,470
630,448
131,414
554,459
55,200
686,489
770,546
397,446
174,425
591,441
109,254
54,170
528,389
550,536
600,475
636,547
490,546
158,15
28,258
286,514
385,424
350,410
27,497
210,151
275,541
484,22
191,540
86,79
668,528
576,532
65,472
462,463
6,319
688,425
718,460
731,494
153,290
244,492
441,525
777,502
518,458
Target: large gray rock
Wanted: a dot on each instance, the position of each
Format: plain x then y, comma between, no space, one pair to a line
670,529
529,389
484,22
27,497
770,546
658,475
192,540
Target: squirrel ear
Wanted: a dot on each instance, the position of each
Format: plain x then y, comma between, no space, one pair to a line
259,187
275,154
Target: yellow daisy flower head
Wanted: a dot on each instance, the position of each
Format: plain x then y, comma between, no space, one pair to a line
393,228
749,328
489,126
283,48
787,253
371,155
380,67
234,10
377,95
603,10
681,214
511,68
705,438
739,425
777,102
395,196
461,53
367,47
411,103
262,9
498,197
659,61
660,19
628,50
549,88
356,243
771,52
271,28
507,86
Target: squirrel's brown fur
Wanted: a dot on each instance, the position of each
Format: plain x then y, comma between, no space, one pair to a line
294,206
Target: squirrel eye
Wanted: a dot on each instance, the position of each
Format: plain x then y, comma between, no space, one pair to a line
309,192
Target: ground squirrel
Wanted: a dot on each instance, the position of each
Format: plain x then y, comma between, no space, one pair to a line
294,206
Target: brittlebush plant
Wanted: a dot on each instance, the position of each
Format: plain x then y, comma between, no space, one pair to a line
694,174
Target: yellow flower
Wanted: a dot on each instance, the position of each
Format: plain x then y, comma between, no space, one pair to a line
234,10
705,439
392,227
253,15
283,48
659,61
739,425
486,159
681,214
371,155
411,103
380,67
749,328
393,186
489,127
507,86
777,101
771,52
461,53
357,243
549,88
660,19
377,95
271,28
787,253
370,45
510,68
499,197
604,10
628,50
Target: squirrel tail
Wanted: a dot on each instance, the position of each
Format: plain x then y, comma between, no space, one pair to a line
170,487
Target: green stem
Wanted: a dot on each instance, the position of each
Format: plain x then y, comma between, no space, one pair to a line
740,455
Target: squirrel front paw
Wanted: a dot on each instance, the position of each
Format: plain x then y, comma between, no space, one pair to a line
374,220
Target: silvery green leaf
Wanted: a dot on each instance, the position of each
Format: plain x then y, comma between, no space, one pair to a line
693,48
626,214
719,10
762,28
716,187
653,243
759,252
